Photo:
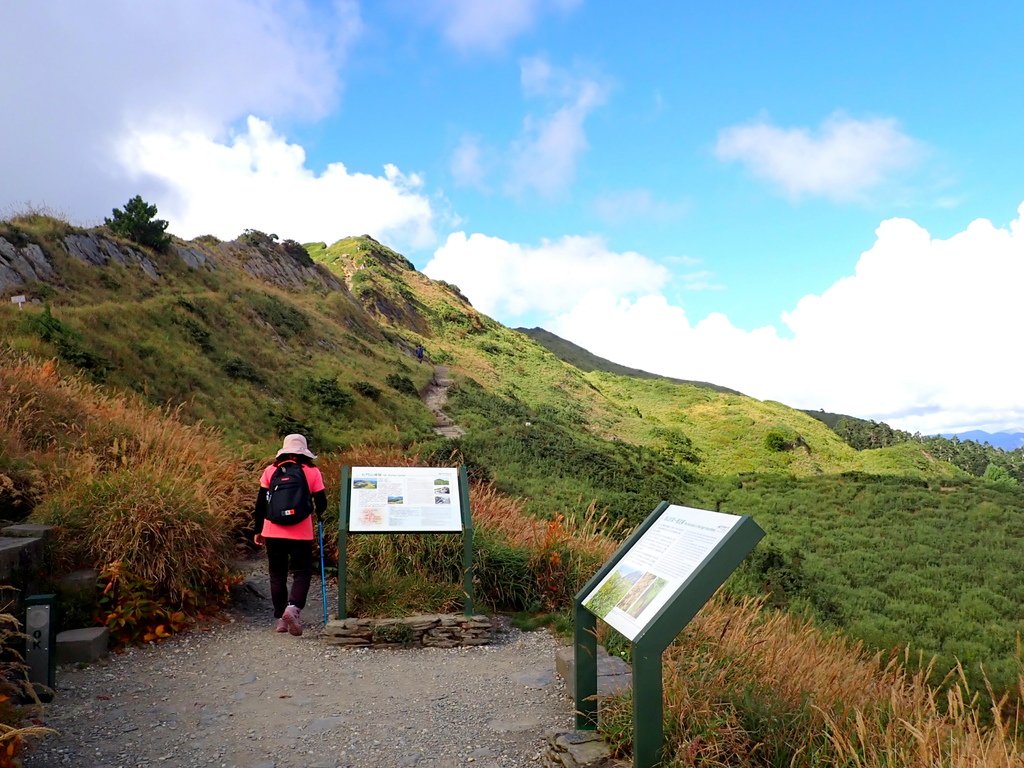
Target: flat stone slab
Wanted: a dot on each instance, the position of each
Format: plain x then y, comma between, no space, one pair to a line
82,645
580,749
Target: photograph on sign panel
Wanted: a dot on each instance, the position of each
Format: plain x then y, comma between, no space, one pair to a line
616,586
642,595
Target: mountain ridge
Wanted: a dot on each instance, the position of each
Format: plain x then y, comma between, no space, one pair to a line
263,320
587,361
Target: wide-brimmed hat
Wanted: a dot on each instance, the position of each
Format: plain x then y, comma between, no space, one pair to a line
296,444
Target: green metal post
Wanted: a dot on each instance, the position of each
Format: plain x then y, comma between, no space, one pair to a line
585,632
467,541
584,635
343,508
648,708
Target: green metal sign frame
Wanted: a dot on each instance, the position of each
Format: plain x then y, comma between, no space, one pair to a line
344,507
655,637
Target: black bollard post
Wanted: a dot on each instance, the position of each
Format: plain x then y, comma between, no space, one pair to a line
41,642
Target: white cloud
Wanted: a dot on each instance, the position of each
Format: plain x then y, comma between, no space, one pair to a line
260,180
922,335
509,280
844,159
467,163
471,25
545,157
111,66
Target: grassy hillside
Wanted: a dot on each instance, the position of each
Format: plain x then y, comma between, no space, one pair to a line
258,338
587,361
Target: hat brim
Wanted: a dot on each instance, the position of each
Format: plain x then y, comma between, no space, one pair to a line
306,453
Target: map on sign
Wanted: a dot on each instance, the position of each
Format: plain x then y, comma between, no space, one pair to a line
404,500
657,565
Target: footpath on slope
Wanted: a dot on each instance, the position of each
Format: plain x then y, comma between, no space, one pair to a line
238,695
435,397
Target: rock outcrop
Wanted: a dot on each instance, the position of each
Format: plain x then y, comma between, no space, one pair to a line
26,264
275,265
22,265
99,251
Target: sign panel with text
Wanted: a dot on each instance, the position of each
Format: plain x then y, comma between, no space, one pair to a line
657,566
404,500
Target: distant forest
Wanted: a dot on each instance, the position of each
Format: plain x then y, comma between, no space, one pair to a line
978,459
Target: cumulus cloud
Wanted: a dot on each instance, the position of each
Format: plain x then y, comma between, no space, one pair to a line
470,25
257,179
841,161
509,280
545,157
920,335
114,66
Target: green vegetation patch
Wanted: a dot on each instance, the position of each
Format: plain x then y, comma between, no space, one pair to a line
893,561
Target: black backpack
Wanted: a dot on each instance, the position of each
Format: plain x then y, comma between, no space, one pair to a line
288,498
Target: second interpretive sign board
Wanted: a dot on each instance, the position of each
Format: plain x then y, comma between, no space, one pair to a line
405,500
649,590
654,569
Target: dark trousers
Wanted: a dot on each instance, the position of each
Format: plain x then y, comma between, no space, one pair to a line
283,555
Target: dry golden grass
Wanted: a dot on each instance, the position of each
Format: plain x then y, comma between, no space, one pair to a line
745,685
125,483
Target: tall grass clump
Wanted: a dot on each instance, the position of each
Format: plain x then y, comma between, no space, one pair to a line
748,686
154,504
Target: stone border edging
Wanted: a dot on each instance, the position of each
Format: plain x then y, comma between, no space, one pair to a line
429,630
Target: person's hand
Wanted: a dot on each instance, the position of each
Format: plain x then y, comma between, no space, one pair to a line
258,539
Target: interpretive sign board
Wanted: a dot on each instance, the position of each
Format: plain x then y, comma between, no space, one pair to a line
655,568
649,590
405,500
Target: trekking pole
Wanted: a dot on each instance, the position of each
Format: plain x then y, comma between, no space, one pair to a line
323,578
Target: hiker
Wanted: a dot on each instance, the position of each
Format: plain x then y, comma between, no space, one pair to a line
291,491
419,352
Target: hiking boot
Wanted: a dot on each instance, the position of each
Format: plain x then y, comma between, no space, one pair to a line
292,620
281,626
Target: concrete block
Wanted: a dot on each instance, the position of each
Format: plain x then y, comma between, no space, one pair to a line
613,674
19,555
80,581
82,645
27,530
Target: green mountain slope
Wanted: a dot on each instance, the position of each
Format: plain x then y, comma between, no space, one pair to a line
587,361
260,338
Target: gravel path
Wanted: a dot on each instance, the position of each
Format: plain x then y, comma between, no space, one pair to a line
238,695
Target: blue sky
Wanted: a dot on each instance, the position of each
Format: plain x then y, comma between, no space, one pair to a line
812,203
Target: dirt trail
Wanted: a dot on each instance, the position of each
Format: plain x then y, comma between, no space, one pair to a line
238,695
436,397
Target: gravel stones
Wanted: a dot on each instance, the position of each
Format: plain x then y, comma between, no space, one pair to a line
238,694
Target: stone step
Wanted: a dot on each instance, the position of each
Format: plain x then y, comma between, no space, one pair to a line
80,581
27,530
82,645
19,554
